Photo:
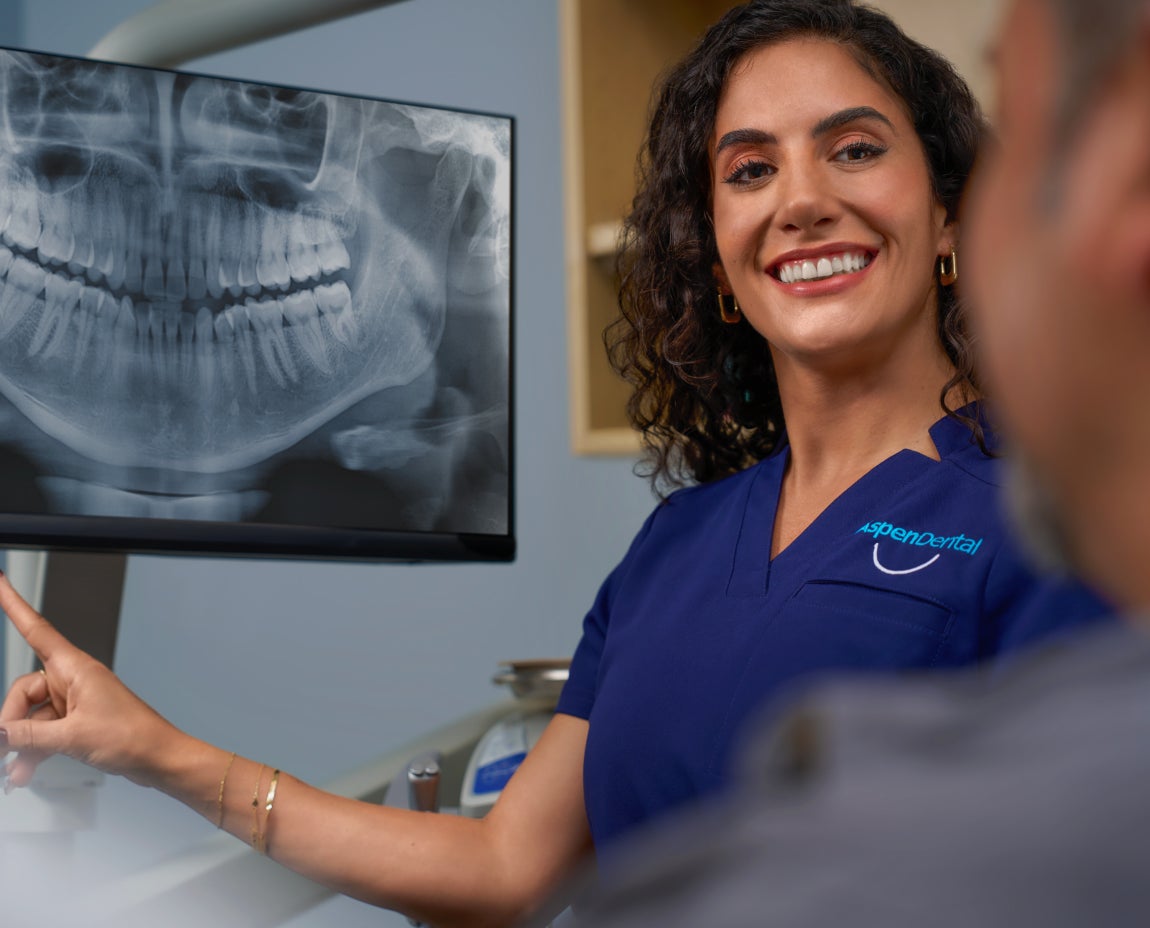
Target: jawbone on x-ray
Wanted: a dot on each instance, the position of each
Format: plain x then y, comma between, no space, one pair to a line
198,275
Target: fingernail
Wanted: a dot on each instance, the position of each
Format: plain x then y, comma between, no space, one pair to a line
3,739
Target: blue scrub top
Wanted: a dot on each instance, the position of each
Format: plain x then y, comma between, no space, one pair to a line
698,629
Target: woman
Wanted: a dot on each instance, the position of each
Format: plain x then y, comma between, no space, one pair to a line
790,330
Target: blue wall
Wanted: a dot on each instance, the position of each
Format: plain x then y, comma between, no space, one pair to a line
317,668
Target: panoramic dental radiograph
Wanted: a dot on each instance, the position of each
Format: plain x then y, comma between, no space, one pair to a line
231,301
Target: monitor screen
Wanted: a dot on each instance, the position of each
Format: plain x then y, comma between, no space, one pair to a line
244,318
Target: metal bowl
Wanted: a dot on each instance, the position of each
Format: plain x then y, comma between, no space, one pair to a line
542,678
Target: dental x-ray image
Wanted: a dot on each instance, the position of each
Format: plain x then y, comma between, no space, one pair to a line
225,303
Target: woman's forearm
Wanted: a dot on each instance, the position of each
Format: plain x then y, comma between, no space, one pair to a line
440,869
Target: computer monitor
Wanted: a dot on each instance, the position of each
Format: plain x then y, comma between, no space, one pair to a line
244,318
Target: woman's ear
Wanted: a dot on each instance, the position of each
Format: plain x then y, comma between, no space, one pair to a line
721,278
948,240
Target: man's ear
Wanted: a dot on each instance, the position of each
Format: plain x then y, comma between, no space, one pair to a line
1107,180
1130,243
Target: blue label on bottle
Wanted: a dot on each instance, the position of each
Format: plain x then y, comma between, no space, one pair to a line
492,777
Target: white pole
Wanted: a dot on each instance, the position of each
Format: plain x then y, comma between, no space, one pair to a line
175,31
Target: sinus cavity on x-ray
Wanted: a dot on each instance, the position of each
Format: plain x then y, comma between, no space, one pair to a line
237,302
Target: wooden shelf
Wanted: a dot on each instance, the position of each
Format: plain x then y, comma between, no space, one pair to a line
613,53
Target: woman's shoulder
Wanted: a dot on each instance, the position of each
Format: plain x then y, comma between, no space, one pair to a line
968,441
732,486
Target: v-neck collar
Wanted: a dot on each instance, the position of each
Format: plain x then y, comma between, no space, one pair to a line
751,568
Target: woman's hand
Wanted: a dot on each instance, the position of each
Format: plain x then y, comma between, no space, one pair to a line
75,706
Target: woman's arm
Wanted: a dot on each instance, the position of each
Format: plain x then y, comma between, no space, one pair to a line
441,869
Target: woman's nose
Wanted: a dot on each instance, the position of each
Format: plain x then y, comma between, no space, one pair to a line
807,201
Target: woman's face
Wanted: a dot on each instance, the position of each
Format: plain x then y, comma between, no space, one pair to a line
827,229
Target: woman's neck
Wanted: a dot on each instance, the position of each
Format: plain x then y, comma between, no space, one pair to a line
843,420
841,427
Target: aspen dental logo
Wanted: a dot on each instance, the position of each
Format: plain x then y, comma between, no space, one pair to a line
927,540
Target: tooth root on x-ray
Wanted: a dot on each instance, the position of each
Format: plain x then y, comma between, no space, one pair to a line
237,266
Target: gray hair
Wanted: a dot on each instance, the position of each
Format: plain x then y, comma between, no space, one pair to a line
1093,35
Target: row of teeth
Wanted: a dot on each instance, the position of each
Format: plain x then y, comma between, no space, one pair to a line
218,247
286,331
794,271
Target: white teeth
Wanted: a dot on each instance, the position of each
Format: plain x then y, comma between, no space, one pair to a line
127,325
50,315
91,300
301,312
80,220
229,253
155,323
57,240
175,281
160,297
246,274
24,226
245,349
197,278
822,268
272,267
301,250
65,297
5,206
107,263
133,259
334,301
212,231
267,322
153,279
14,305
204,351
333,257
225,326
142,313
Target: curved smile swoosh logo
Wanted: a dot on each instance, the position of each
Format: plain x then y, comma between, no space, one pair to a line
917,539
909,570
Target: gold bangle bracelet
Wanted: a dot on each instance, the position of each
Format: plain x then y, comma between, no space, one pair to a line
223,783
268,803
256,809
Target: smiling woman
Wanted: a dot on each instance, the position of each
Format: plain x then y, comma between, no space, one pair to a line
797,347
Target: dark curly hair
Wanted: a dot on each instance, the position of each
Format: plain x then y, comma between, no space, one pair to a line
705,397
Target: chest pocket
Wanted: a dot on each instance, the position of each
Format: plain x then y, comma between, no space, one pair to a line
853,625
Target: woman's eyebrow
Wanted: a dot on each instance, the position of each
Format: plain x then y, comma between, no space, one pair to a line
844,117
824,125
746,136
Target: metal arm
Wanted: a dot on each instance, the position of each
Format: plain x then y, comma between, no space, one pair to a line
175,31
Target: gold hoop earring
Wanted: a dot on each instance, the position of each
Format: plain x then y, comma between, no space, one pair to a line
731,315
948,269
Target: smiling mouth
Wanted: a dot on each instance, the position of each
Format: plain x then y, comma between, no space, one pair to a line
848,262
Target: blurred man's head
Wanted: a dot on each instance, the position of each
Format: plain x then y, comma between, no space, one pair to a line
1058,234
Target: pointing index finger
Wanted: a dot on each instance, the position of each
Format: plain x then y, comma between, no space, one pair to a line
33,627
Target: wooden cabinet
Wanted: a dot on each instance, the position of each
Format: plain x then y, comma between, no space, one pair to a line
613,51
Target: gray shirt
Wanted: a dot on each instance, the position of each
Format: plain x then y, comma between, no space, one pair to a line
1020,798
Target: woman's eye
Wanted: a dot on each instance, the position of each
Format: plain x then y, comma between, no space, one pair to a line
858,151
747,172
